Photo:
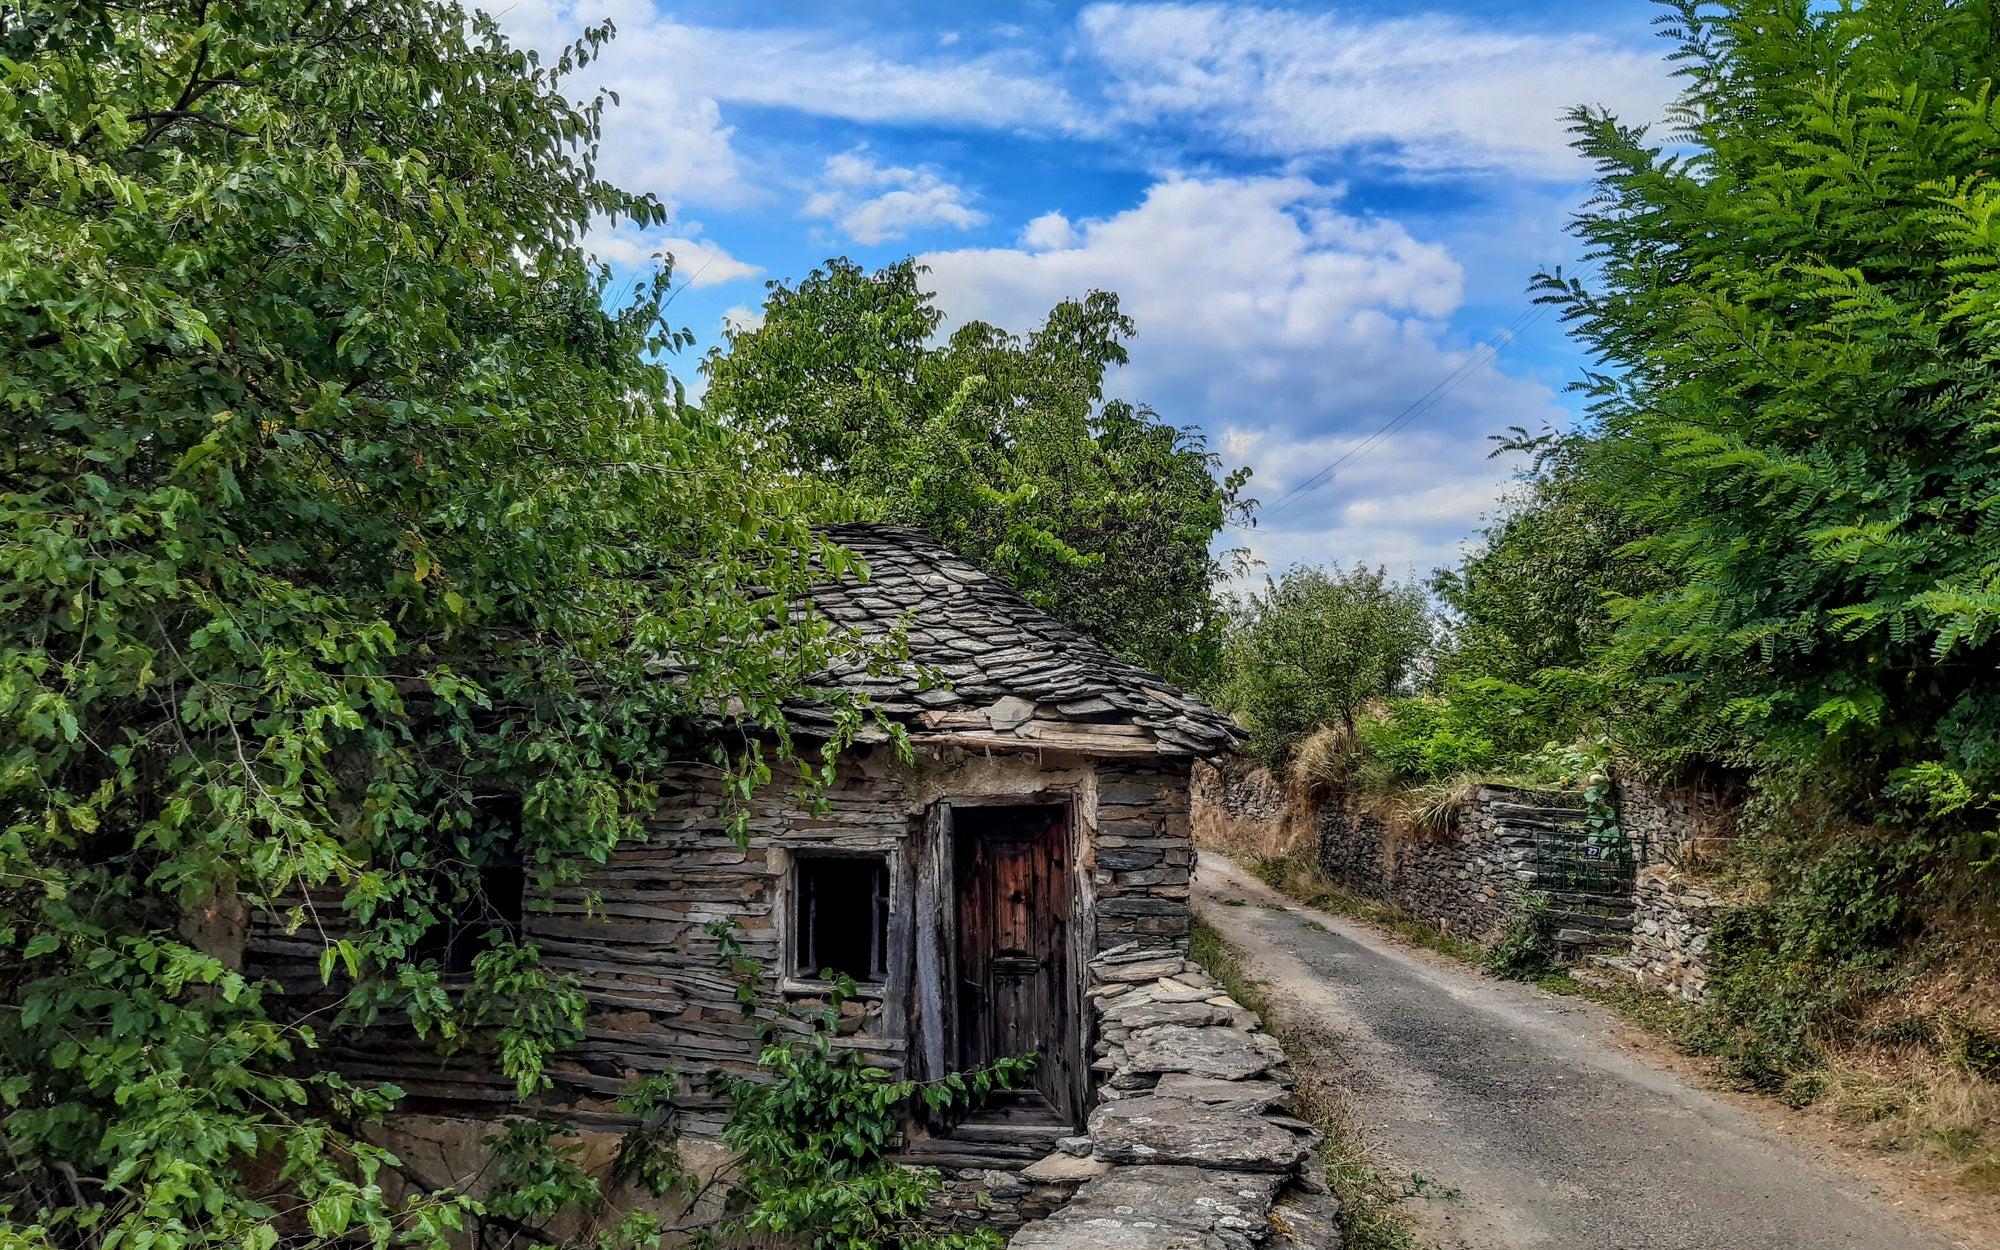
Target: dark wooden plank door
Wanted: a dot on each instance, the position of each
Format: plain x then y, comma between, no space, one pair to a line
1012,869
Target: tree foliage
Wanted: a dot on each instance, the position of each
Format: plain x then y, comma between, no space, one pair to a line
1798,311
1534,595
333,503
1315,646
1002,446
1785,496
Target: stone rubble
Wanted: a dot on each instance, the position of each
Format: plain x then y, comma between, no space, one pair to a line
1192,1146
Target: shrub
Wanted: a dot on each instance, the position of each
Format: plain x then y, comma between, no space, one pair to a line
1526,949
1426,738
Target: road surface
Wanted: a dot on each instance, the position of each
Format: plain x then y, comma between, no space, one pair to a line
1550,1134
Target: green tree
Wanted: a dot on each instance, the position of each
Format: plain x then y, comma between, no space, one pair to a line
1528,610
1535,593
333,503
1003,447
1798,313
1315,647
1798,410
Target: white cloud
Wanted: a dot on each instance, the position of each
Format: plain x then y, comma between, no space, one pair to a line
872,203
1049,233
1438,91
807,71
662,137
698,262
656,62
741,318
1291,331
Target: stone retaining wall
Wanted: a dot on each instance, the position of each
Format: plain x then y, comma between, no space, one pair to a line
1679,822
1239,809
1469,881
1672,919
1466,881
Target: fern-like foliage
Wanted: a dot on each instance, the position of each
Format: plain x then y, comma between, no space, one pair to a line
1797,316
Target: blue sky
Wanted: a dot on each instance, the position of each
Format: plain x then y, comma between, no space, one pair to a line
1315,212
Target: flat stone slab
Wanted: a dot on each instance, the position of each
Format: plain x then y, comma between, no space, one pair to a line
1063,1167
1143,970
1169,990
1151,1129
1144,1015
1231,1204
1111,1235
1227,1054
1254,1095
1302,1221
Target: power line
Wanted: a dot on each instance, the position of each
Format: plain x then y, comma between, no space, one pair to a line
1482,355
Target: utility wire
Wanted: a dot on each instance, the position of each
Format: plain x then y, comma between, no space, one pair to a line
1482,355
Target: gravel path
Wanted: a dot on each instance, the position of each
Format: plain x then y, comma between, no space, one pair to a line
1519,1100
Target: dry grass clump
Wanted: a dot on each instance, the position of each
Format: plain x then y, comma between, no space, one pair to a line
1334,764
1324,765
1433,808
1922,1070
1913,1102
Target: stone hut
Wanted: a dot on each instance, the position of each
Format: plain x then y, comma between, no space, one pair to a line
1042,820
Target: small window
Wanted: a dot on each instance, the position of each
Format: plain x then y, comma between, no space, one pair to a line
840,917
485,903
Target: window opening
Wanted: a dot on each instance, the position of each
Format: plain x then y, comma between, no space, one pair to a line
488,901
840,917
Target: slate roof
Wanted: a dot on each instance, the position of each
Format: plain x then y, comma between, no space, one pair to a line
984,660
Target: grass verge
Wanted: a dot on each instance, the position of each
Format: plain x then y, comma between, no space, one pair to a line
1369,1214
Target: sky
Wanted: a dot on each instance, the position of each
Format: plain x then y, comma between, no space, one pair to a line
1319,215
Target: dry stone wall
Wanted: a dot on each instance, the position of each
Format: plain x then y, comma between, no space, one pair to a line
1677,821
1144,854
1467,881
1192,1145
1672,920
1470,881
1241,809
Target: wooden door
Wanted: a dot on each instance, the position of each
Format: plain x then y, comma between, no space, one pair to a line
1016,990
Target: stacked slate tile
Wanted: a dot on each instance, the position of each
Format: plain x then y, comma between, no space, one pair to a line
971,654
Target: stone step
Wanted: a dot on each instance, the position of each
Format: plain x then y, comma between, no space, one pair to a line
1585,920
1579,939
1523,811
947,1153
1045,1135
1586,902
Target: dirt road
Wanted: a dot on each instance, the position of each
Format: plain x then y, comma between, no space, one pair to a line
1533,1127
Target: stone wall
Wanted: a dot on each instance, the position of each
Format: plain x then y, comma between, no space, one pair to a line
1466,881
1241,810
1144,854
1192,1145
1684,821
1672,919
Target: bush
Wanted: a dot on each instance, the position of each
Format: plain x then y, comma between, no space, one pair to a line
1526,949
1838,926
1426,738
